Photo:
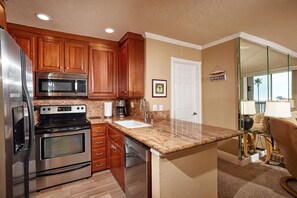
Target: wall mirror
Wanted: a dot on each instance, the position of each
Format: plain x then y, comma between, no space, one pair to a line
264,74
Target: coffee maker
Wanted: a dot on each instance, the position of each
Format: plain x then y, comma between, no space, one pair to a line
121,108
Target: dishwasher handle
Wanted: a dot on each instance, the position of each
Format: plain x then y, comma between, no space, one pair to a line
136,148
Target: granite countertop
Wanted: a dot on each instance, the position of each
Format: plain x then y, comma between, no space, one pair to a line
169,136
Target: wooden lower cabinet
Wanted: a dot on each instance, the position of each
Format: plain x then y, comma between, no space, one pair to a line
116,155
116,162
98,165
108,151
99,143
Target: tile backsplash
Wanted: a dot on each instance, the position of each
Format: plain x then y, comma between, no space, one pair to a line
95,108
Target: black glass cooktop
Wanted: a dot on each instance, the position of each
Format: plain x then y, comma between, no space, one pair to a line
60,125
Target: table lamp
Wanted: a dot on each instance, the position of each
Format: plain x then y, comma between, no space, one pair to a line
292,103
248,107
278,109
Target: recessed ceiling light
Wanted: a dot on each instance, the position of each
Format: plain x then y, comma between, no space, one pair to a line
43,17
109,30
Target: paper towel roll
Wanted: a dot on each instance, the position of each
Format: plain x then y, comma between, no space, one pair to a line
107,109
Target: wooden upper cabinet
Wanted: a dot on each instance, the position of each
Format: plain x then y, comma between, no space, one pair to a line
123,71
103,70
28,43
50,54
3,15
76,57
131,66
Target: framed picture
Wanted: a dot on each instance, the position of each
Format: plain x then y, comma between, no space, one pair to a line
159,88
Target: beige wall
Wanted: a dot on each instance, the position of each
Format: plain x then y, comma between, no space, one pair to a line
157,66
220,98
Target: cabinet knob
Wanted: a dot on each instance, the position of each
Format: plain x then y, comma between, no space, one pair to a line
66,67
99,165
60,67
99,142
113,147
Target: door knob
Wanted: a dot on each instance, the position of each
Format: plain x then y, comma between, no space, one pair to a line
194,113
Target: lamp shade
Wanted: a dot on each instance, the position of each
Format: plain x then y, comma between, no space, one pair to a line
278,109
292,103
248,107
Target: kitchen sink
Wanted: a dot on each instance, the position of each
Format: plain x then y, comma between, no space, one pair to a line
131,124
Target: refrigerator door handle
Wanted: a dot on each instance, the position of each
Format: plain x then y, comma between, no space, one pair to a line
28,100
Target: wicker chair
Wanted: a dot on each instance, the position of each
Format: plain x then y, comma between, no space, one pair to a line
285,135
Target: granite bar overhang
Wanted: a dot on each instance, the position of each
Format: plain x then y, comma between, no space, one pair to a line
170,136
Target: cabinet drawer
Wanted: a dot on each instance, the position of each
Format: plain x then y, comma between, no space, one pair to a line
98,142
116,136
98,130
98,165
98,153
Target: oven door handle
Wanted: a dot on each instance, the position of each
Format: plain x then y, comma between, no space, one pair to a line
63,170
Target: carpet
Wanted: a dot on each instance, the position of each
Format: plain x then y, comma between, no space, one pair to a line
256,180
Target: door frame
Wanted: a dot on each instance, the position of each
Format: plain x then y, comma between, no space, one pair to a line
197,81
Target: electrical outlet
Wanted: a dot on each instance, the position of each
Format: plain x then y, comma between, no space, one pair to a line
132,104
160,107
155,107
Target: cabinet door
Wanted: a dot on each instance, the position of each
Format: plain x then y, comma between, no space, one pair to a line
123,71
116,163
27,41
131,66
136,68
50,54
76,57
103,68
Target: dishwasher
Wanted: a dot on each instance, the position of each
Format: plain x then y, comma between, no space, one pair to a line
137,169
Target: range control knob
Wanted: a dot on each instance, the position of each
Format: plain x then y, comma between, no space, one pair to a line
49,109
77,108
82,108
43,109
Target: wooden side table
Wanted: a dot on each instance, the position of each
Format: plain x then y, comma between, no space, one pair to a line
246,144
268,143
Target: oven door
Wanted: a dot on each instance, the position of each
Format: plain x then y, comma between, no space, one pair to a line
55,150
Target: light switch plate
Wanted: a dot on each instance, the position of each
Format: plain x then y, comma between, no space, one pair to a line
160,107
155,107
132,104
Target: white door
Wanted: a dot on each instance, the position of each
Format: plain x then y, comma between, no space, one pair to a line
186,90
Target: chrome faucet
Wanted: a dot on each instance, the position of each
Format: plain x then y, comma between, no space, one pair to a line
143,106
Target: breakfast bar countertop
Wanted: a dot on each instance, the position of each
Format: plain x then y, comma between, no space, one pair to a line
169,136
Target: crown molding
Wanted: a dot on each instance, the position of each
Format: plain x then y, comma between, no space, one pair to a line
246,36
170,40
222,40
254,39
261,41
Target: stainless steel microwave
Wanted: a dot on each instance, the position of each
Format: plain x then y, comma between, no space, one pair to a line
61,84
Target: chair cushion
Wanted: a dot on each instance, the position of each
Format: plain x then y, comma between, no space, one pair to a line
257,117
294,114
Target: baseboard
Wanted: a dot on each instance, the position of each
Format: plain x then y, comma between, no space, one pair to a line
245,161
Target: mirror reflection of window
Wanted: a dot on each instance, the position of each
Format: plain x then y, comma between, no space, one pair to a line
281,90
260,88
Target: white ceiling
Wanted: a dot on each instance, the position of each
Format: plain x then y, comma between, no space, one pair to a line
194,21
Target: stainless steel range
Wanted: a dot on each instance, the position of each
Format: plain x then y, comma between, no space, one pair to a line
63,151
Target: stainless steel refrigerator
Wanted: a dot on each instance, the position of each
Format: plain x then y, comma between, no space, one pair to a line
17,150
